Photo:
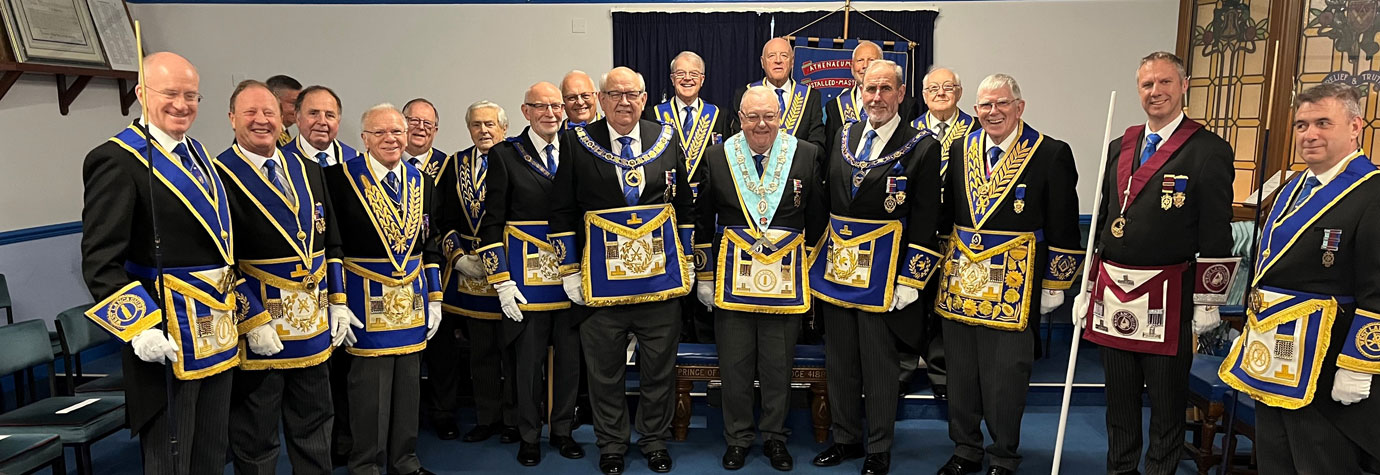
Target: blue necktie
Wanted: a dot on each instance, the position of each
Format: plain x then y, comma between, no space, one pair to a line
1151,141
415,162
191,165
550,158
781,100
1308,186
275,178
761,161
688,125
863,155
390,184
629,192
993,156
321,158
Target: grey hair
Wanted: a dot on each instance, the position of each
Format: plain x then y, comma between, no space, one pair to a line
377,108
502,116
1167,56
692,56
891,67
998,81
957,81
421,100
759,91
1347,95
604,80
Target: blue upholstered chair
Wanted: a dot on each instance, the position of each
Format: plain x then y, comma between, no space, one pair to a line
76,334
1240,421
78,421
29,453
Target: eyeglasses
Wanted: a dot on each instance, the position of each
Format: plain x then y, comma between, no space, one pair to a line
378,134
618,96
192,97
946,87
755,118
1001,104
554,106
687,75
586,97
423,123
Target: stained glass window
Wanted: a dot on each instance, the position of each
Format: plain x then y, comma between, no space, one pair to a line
1340,42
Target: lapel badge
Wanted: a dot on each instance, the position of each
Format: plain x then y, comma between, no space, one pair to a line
1180,185
1332,241
1019,205
670,185
798,187
1167,192
319,219
900,190
426,226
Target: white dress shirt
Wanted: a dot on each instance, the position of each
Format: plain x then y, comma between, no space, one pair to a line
636,145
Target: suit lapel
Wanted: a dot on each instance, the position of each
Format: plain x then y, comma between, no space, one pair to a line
608,172
654,172
898,138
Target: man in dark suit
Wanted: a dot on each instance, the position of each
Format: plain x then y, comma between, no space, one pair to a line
285,88
423,121
848,107
802,113
1174,229
877,256
627,211
318,122
1316,275
1014,249
513,230
286,242
580,98
121,260
759,187
468,293
384,208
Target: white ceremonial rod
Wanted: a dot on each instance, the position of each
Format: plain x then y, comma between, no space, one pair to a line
1087,264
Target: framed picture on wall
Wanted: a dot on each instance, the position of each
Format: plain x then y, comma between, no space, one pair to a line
52,31
116,32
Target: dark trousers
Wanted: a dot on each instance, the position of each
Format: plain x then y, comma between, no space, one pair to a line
697,322
604,338
862,363
384,408
1166,379
933,352
263,398
493,373
201,408
989,374
1324,437
442,357
339,368
534,333
755,347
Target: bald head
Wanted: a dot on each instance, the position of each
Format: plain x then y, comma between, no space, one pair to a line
864,54
170,93
577,91
760,116
541,106
776,61
622,96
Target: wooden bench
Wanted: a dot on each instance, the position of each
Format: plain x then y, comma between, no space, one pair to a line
700,362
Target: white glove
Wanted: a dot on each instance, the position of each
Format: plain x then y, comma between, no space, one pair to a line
1050,300
704,291
350,338
572,283
433,319
341,315
264,341
902,297
153,346
1080,308
471,266
1205,317
508,299
1350,387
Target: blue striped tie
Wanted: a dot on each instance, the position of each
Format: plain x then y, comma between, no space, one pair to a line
863,155
688,125
275,178
190,164
390,184
629,192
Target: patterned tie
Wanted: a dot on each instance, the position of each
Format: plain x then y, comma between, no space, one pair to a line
191,165
630,193
550,158
688,125
863,155
390,184
275,178
1151,141
993,156
322,158
761,161
781,100
1308,186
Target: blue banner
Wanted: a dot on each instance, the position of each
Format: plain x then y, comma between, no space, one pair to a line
828,67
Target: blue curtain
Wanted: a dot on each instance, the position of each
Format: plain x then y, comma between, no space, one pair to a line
646,42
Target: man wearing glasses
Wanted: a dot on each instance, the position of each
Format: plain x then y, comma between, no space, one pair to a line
463,195
878,254
801,111
513,236
621,228
581,106
392,285
1014,249
699,125
286,89
847,106
318,122
422,123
